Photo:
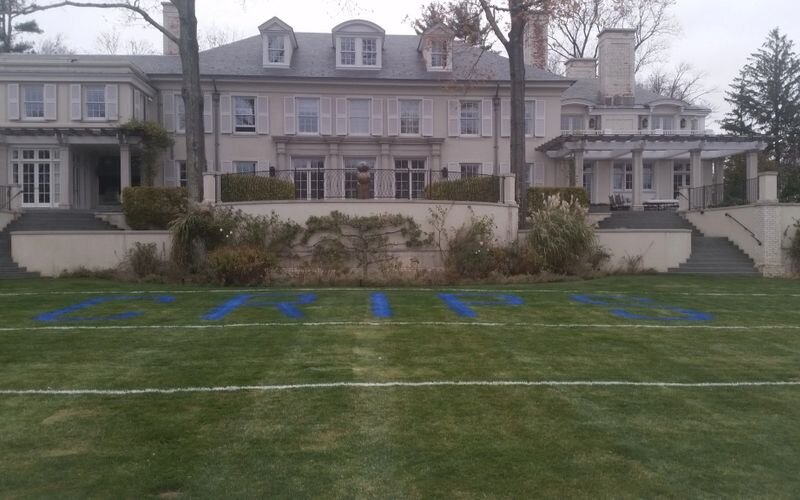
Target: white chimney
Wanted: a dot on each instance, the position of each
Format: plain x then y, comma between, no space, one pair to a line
535,40
616,50
172,23
581,69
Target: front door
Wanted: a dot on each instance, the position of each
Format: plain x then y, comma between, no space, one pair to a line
37,184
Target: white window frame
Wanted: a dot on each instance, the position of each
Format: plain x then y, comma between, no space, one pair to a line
404,118
627,176
368,117
183,176
413,173
470,169
101,90
180,111
245,167
273,50
353,52
24,102
657,122
244,128
365,52
477,118
681,176
37,158
440,50
299,116
311,171
358,53
574,123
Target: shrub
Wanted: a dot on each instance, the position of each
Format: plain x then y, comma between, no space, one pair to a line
153,207
238,187
794,249
144,260
479,188
241,265
470,252
155,139
200,230
538,196
560,236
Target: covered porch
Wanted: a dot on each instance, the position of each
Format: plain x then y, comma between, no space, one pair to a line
67,168
647,168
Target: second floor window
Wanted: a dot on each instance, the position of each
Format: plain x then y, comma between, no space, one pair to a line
470,118
180,114
571,123
276,53
347,53
439,54
33,101
530,118
308,115
244,109
409,116
369,51
95,102
662,122
358,112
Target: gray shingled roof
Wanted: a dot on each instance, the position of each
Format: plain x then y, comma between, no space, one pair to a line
589,90
314,58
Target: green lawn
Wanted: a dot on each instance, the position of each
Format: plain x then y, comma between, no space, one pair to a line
404,441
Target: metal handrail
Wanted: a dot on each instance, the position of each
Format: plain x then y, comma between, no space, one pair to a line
745,228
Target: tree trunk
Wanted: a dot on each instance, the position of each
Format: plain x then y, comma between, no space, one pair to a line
192,99
516,61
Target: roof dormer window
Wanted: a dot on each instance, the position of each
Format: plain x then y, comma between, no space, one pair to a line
279,43
436,45
369,51
276,51
347,52
439,54
358,45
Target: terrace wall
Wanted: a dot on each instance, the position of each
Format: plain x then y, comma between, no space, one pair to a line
660,249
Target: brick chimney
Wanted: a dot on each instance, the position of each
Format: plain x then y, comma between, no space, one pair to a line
616,50
536,32
581,69
172,23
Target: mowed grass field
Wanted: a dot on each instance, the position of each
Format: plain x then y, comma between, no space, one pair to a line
280,429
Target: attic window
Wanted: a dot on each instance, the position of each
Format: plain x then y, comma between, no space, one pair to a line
348,51
369,51
276,49
439,54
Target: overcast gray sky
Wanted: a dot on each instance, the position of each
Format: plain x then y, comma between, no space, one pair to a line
716,36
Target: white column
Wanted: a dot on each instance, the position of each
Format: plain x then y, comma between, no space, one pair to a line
696,164
768,187
578,169
752,173
209,187
5,169
65,177
124,167
638,174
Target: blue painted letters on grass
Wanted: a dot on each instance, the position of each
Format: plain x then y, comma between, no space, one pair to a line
615,303
460,303
59,314
380,305
286,303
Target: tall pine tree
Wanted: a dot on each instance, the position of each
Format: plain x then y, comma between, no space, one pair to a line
11,28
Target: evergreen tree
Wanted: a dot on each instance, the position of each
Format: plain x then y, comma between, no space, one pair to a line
11,28
464,17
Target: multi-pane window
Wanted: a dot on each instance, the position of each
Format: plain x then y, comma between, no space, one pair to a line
276,53
95,102
33,101
351,166
369,51
347,51
410,116
358,113
39,174
309,178
470,169
409,179
662,122
470,118
307,115
244,114
681,177
530,118
244,167
647,176
623,176
180,114
571,123
182,175
439,54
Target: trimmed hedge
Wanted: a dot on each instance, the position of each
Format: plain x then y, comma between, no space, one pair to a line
538,195
153,207
238,187
479,188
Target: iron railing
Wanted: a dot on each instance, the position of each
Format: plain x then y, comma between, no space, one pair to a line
728,194
344,184
5,197
749,231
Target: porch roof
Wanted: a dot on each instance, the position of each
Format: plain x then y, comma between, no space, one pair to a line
653,146
77,135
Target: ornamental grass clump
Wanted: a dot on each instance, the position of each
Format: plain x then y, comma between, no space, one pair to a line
561,237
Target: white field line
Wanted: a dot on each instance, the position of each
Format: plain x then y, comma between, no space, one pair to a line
379,289
390,385
473,324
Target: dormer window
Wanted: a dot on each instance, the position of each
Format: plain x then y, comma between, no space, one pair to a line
439,54
276,52
358,45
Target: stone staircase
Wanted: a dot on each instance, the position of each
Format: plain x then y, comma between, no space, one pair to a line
710,255
43,220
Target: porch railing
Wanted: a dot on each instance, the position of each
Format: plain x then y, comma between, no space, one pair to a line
666,132
349,184
5,197
727,194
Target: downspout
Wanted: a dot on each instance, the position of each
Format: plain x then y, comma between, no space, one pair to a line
215,124
496,127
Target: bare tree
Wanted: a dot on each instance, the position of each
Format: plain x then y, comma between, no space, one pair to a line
190,67
216,36
108,42
683,84
54,46
575,30
139,47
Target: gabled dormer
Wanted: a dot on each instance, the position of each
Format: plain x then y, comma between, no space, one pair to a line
436,45
358,45
279,43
